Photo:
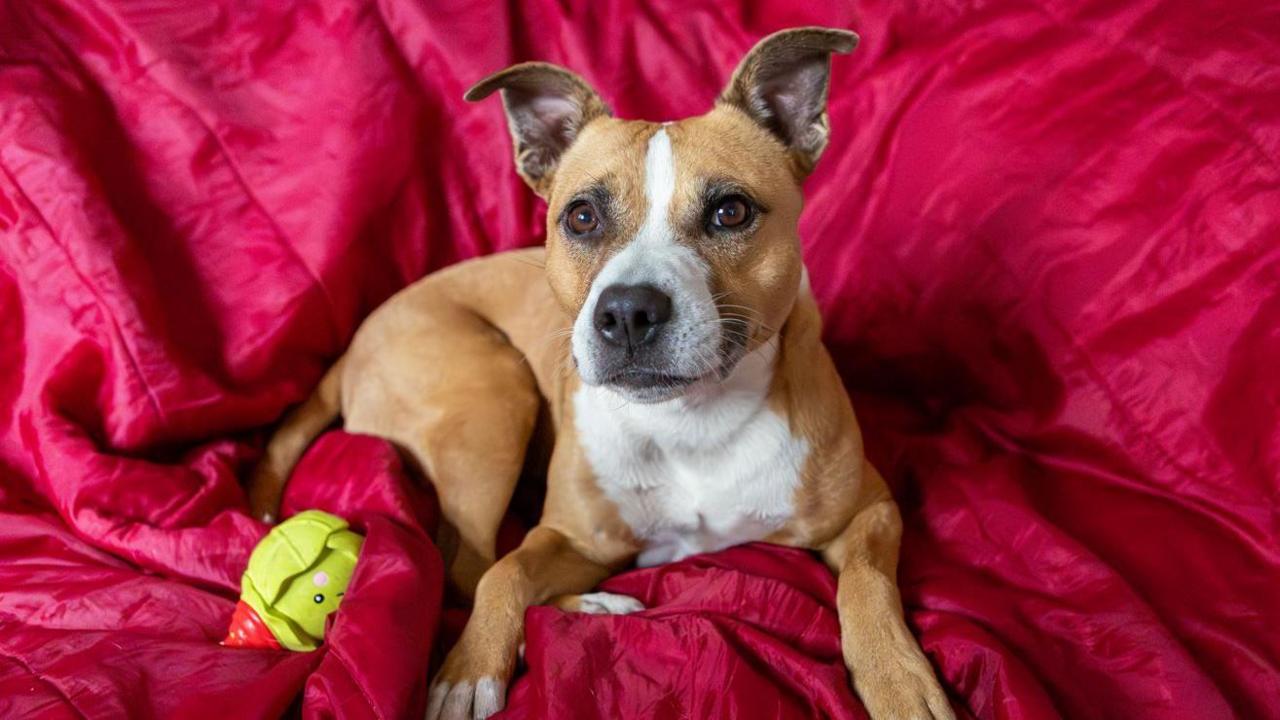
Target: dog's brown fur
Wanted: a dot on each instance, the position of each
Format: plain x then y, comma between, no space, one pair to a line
455,368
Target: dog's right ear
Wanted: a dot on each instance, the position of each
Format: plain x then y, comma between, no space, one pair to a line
547,106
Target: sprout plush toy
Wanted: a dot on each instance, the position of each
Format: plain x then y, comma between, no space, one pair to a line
297,575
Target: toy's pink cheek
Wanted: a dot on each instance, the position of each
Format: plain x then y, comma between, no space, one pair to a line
320,579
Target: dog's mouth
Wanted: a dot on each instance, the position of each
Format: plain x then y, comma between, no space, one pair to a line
640,379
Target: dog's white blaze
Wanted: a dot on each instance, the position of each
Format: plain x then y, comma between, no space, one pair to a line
704,471
654,258
659,187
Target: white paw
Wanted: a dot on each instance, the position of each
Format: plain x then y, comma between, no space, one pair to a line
465,701
603,603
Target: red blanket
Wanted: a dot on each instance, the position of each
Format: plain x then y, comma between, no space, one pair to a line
1046,239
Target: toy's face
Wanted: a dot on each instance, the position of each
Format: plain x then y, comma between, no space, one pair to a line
313,594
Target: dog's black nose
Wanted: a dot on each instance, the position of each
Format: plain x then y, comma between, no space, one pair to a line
630,315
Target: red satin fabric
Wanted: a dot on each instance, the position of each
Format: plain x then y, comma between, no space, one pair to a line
1046,239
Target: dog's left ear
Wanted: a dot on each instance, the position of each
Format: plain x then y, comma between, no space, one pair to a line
782,85
547,106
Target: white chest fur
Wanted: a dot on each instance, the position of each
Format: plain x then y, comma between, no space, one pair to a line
702,472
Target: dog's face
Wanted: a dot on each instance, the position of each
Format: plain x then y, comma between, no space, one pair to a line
674,245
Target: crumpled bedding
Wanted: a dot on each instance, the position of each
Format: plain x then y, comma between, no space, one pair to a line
1045,237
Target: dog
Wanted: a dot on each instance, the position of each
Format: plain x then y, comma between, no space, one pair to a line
667,342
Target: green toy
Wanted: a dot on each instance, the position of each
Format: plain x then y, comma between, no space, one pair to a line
297,575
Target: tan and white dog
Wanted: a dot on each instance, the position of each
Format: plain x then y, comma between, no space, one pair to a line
666,342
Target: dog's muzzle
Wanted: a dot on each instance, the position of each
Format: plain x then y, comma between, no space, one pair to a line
650,328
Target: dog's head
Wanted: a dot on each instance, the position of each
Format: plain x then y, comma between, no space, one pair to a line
674,246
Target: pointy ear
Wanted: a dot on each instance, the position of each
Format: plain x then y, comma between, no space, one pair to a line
782,85
547,106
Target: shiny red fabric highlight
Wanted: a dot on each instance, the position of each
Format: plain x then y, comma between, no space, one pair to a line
1045,237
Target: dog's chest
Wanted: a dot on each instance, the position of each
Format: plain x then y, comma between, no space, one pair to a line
692,479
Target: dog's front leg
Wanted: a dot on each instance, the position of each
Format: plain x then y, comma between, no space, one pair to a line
473,681
890,671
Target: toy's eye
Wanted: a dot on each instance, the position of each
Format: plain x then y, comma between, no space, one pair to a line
318,598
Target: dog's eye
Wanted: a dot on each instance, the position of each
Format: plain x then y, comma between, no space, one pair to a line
731,213
581,218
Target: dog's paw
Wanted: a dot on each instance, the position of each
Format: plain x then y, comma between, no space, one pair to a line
465,699
472,683
910,694
604,603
